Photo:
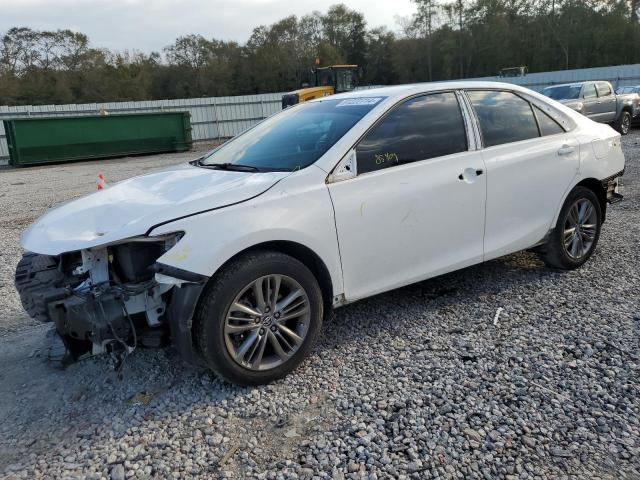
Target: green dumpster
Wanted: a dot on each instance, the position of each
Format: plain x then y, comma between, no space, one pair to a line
35,141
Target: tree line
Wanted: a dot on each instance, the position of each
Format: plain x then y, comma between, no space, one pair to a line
454,39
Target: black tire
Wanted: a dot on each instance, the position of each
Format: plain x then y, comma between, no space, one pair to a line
554,253
623,122
36,275
209,320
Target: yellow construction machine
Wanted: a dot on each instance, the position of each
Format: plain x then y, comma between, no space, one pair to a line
325,81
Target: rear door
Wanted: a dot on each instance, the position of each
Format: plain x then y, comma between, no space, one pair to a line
606,103
530,162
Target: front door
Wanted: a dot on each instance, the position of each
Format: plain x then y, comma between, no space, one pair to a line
416,207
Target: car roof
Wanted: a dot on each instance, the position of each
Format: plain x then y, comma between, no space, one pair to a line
577,84
574,84
386,96
401,91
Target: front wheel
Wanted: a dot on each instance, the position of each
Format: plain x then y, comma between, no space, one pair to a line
577,231
623,123
259,318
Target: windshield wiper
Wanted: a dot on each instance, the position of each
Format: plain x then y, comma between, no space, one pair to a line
230,166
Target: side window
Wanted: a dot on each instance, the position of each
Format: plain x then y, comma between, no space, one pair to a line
504,117
589,90
548,126
344,80
421,128
603,89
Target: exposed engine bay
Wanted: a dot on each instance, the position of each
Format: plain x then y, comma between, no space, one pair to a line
103,299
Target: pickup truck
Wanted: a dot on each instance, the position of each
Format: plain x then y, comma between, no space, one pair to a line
598,101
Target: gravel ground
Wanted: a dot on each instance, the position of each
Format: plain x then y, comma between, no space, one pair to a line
415,383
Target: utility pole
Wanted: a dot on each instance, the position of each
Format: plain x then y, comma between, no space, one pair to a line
460,6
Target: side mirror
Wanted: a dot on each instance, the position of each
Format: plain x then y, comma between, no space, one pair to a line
345,169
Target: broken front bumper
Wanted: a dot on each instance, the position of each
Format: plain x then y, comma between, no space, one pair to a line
112,299
182,307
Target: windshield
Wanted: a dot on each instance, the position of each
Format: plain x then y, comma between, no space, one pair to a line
292,139
326,77
564,92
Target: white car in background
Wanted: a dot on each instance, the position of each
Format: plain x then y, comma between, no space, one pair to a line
237,255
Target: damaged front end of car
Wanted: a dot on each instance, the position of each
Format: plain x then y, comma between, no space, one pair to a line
112,298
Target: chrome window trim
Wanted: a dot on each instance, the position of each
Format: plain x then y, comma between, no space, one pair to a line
470,140
474,137
564,120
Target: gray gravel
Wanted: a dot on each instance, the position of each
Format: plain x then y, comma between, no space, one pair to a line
415,383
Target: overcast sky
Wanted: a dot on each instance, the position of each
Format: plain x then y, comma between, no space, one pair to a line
153,24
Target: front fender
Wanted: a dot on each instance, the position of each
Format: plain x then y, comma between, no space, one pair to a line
298,209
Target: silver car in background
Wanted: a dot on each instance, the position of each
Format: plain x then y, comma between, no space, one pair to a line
598,101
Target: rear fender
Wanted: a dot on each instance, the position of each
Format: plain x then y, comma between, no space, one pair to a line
601,158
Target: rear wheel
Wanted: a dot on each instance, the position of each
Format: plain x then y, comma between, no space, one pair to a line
623,122
577,231
259,318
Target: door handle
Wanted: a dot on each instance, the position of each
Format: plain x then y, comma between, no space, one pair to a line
470,174
566,150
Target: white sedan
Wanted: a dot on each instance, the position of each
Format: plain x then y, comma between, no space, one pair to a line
237,255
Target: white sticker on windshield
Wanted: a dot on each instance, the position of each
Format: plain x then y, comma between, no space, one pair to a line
351,102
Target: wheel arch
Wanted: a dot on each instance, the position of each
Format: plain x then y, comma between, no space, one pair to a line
596,187
617,123
592,184
300,252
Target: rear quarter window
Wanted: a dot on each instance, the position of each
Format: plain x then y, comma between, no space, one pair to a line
548,126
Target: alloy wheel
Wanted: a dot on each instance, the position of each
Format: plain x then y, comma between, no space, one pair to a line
626,123
580,228
267,322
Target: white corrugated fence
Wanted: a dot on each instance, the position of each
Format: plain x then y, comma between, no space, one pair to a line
619,76
222,117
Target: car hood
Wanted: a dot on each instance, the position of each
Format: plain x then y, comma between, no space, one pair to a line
131,207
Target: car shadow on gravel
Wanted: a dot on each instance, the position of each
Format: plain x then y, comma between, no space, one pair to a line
480,285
